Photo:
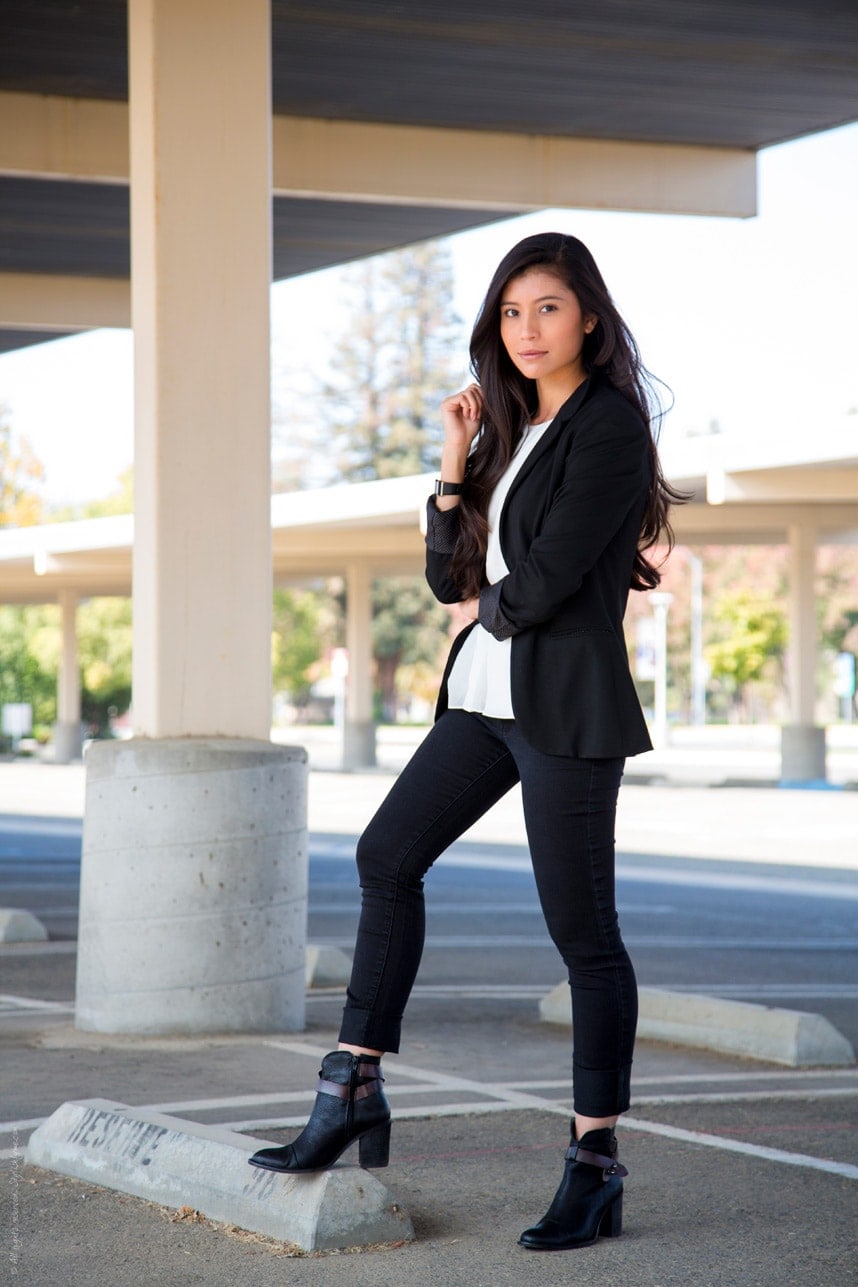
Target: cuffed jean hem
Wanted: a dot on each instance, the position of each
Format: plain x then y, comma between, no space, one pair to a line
363,1028
601,1092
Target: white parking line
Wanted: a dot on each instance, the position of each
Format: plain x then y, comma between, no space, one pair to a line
32,1003
512,1099
845,1169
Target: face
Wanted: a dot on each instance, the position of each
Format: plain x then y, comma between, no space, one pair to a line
542,328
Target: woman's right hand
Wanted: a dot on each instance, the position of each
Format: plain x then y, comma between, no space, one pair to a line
461,416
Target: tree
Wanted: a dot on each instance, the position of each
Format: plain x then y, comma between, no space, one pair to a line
754,640
407,627
300,624
399,354
29,649
20,474
104,649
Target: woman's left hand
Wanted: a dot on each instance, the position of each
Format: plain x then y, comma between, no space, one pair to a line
470,608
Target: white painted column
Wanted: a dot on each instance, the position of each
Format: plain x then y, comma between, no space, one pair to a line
802,743
200,103
68,740
359,730
193,882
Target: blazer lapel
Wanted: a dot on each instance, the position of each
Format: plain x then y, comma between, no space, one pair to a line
552,433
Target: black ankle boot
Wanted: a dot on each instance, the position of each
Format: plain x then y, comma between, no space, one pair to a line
350,1105
589,1202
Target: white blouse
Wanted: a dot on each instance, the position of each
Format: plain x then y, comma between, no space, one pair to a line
479,680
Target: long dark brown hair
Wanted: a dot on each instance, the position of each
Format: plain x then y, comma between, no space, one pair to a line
510,400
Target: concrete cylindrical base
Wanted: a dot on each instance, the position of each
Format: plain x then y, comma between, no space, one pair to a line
68,742
193,900
802,753
359,744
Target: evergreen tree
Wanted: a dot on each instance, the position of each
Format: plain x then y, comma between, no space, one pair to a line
401,351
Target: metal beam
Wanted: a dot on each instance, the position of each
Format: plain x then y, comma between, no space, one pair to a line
49,302
66,138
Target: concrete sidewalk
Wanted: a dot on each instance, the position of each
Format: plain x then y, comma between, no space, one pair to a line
664,817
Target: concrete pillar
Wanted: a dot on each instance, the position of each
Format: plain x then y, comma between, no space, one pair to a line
193,890
68,738
198,923
802,743
199,81
359,728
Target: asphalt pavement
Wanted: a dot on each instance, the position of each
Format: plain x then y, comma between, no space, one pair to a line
741,1172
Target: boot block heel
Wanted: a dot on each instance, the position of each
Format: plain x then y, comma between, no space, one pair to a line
374,1146
612,1220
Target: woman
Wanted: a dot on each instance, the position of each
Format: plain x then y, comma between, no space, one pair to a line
550,494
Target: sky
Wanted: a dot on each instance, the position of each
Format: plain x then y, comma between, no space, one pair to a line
751,323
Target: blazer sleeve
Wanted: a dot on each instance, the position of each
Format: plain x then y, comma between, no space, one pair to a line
442,530
607,471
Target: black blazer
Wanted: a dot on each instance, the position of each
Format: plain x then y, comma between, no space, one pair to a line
569,532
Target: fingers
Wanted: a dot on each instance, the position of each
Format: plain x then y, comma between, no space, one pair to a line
468,403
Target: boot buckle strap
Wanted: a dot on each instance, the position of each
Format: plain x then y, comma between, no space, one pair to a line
609,1165
345,1092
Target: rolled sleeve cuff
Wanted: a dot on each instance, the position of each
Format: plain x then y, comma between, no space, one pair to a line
490,616
442,528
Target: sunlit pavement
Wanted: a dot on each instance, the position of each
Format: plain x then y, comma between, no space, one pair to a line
742,1173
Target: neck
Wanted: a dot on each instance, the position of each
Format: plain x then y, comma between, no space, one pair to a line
552,396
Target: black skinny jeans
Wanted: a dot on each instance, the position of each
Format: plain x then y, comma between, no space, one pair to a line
465,764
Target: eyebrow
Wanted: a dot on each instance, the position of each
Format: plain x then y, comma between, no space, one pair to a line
541,300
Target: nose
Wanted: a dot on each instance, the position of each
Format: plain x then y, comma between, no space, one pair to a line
529,325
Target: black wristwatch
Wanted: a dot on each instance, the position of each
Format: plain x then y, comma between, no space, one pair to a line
448,489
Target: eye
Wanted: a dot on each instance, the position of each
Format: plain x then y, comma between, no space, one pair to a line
548,308
509,312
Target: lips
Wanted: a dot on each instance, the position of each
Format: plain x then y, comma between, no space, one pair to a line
533,353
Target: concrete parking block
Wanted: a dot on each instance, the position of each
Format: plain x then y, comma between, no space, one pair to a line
178,1163
797,1038
18,926
327,967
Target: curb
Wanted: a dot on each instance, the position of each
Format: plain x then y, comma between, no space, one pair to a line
327,967
18,926
797,1038
177,1163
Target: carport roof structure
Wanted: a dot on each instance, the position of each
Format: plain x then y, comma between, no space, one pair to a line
741,493
566,95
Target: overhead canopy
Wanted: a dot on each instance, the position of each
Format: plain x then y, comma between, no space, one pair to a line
396,122
741,493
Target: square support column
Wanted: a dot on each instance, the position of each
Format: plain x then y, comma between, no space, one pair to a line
193,881
359,729
802,742
200,117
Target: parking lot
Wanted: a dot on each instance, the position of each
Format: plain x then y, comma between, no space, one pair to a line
742,1172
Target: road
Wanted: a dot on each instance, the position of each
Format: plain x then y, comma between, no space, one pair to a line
780,935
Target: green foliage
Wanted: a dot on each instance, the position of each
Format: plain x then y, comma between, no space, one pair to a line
408,626
29,651
299,625
754,635
104,650
30,642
